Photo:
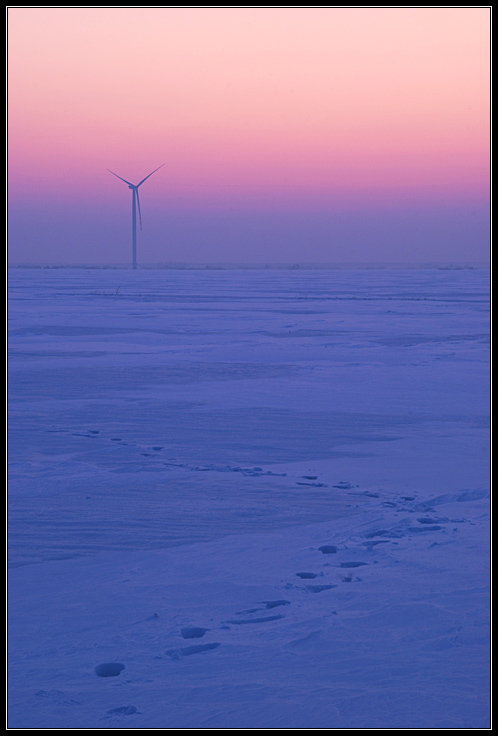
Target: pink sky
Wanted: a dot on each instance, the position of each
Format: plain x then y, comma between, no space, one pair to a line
263,109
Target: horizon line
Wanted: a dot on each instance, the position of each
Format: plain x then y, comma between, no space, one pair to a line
261,265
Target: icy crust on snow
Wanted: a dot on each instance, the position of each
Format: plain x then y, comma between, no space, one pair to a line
248,499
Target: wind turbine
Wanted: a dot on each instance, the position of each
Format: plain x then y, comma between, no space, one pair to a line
135,202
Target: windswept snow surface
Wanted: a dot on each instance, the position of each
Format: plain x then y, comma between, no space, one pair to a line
248,499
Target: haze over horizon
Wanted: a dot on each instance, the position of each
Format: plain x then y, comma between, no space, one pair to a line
322,135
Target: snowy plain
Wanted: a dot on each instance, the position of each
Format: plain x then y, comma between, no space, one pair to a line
263,493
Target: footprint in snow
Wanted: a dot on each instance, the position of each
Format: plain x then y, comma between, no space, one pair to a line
247,611
374,543
123,710
109,669
256,620
193,649
319,588
193,632
267,605
429,520
328,549
274,604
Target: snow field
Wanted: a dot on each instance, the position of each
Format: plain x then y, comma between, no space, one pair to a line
248,499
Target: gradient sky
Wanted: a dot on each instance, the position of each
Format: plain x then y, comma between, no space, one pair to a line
288,134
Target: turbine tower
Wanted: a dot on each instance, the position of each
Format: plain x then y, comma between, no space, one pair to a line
135,203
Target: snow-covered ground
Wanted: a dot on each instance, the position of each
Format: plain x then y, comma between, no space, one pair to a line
263,493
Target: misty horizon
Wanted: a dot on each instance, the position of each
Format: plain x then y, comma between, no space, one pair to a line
215,265
287,134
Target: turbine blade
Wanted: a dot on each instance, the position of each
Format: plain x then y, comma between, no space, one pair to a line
152,172
139,213
120,177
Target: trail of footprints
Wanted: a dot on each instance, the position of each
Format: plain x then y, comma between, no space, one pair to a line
154,452
270,611
264,613
259,615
